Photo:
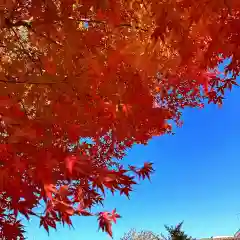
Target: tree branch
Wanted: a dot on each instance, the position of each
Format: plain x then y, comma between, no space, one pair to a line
29,83
28,25
119,25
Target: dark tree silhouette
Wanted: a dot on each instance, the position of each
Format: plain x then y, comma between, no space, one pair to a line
176,233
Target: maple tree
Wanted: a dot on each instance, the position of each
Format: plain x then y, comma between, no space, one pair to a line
116,72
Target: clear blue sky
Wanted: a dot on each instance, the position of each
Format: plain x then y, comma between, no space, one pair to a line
196,180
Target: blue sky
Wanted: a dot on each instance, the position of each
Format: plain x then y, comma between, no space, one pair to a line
196,180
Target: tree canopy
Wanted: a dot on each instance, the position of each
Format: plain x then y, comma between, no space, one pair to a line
174,233
143,235
83,81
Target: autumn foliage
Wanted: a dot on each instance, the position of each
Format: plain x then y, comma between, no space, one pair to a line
115,72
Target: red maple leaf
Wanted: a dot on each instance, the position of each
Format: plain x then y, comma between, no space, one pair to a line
105,221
